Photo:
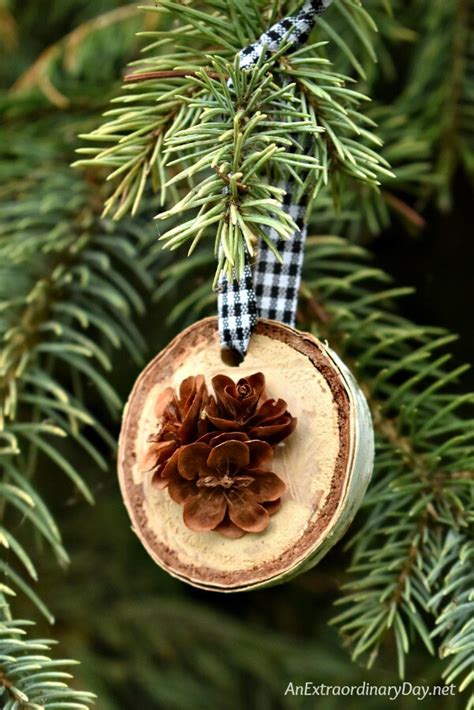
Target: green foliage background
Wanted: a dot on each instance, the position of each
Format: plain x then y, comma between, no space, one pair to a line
85,300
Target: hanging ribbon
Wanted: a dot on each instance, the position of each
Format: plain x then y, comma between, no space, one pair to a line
271,290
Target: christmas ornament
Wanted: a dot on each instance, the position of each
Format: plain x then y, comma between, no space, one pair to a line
237,477
228,486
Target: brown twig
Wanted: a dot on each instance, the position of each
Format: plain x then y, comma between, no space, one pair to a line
402,208
226,178
167,74
5,681
318,311
313,309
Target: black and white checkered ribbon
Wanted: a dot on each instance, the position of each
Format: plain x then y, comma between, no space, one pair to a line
271,291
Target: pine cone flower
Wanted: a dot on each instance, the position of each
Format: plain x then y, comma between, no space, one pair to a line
181,423
224,483
242,406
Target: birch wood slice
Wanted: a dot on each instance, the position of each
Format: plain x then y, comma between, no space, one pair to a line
326,463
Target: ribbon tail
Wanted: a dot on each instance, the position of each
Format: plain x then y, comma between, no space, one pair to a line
277,280
237,310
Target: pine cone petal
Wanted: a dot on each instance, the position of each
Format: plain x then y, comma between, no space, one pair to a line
224,424
221,383
274,433
191,418
273,506
155,453
229,457
187,390
266,486
246,513
181,490
162,401
192,460
205,510
228,529
158,482
214,438
165,473
256,382
261,454
269,411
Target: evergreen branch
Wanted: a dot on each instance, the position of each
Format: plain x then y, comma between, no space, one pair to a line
251,136
72,310
447,36
68,299
262,132
362,211
453,573
29,678
170,110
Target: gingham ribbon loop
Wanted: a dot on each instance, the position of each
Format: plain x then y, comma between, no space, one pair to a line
272,290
